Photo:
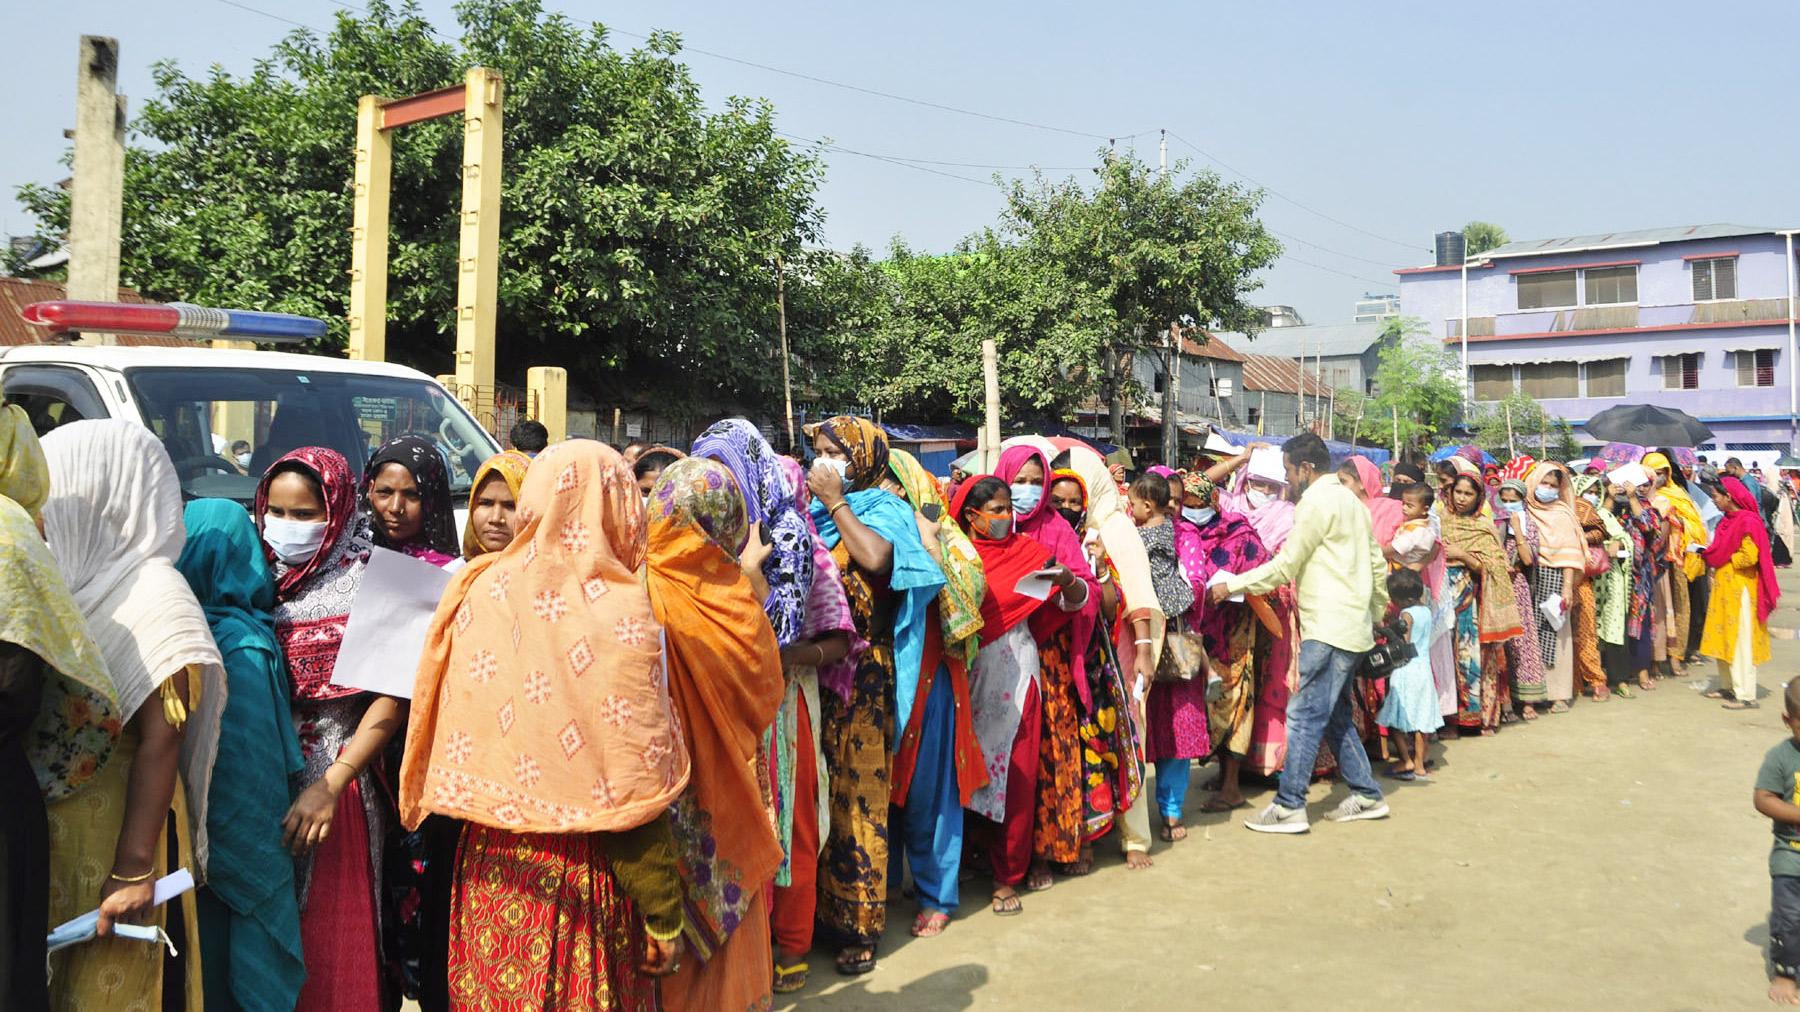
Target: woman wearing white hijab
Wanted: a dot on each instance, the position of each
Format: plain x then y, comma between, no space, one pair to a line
114,524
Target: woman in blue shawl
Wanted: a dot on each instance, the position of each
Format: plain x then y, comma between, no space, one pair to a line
249,913
891,581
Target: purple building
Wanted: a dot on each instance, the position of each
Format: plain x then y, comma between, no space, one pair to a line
1692,317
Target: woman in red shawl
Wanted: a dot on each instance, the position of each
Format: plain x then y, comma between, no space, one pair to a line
1743,596
1057,830
1010,679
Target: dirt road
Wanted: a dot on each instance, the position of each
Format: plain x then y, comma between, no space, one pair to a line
1605,858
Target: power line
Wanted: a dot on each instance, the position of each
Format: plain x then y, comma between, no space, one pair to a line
891,160
1327,249
266,14
1334,270
1312,210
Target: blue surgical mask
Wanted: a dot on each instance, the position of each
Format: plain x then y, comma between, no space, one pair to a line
1513,507
1197,516
1025,498
1545,494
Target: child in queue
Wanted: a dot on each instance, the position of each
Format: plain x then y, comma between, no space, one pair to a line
1411,711
1175,711
1415,542
1777,797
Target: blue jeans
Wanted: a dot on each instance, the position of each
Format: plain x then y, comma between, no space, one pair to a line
1172,785
1320,712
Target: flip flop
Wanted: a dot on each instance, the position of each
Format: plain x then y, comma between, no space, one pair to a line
930,924
856,967
1402,775
789,979
1008,906
1741,704
1215,806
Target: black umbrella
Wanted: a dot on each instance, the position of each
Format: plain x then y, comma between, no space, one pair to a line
1648,425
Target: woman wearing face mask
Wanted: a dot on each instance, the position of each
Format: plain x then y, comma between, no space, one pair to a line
1111,778
937,767
890,580
113,523
1524,657
1064,692
1744,595
406,490
1007,687
1687,535
494,504
1554,554
1481,605
1612,589
319,543
1208,541
1585,615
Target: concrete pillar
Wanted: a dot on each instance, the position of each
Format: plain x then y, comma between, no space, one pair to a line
548,398
478,253
369,234
97,194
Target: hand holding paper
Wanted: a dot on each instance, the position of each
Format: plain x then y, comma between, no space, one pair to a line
1554,611
1038,585
1219,578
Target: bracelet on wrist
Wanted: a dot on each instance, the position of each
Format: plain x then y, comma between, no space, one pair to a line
841,503
132,879
1146,643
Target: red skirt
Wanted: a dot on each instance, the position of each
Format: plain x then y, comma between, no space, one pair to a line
538,921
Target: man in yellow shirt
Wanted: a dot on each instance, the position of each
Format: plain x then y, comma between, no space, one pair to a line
1340,581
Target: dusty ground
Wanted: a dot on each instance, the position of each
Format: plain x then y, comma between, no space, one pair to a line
1605,858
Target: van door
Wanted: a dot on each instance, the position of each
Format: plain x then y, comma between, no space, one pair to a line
52,395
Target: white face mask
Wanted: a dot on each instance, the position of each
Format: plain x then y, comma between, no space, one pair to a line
243,459
1197,516
294,542
1546,495
842,467
1258,498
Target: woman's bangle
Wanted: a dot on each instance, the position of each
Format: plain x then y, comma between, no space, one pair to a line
131,879
339,762
821,661
1146,643
841,503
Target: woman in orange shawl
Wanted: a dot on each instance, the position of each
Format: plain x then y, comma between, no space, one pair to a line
725,678
541,718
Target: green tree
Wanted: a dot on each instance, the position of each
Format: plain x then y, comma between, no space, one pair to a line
1481,236
1147,250
639,231
1519,424
1415,384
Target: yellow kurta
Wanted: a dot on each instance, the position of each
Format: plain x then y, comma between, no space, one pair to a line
1730,583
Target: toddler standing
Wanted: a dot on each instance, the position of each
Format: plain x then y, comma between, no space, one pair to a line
1411,709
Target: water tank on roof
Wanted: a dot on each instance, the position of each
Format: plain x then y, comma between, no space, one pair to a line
1450,247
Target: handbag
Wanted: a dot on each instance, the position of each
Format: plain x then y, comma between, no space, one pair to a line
1598,562
1392,650
1183,656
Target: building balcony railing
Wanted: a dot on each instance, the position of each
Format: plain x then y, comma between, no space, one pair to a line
1613,318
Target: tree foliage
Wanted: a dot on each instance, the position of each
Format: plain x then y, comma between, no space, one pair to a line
1481,236
1519,424
639,231
1415,383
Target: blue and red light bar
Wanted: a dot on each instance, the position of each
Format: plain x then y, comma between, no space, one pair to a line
173,319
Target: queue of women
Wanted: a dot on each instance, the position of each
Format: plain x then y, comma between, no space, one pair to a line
678,713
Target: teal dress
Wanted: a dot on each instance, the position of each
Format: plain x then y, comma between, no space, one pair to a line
249,911
1412,700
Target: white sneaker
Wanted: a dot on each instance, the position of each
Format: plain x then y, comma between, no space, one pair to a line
1276,819
1357,808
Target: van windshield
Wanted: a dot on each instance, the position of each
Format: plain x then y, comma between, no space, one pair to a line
224,427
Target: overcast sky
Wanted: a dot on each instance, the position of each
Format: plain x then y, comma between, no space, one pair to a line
1374,126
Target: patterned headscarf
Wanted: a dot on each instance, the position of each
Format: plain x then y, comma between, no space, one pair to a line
767,495
313,599
959,603
863,442
24,477
1518,467
422,460
511,467
725,680
1197,484
541,703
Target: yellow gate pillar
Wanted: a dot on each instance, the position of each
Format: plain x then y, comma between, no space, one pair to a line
369,234
548,395
478,267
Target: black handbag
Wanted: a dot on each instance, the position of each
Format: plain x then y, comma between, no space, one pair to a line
1392,650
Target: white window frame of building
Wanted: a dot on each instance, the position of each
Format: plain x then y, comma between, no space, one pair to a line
1587,274
1586,387
1711,274
1757,369
1699,364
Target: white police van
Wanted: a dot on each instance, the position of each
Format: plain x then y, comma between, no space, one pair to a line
225,416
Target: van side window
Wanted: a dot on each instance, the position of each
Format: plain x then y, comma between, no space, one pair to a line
52,395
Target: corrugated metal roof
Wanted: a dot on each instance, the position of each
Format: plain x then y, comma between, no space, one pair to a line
1622,240
1213,349
1328,339
1279,375
17,293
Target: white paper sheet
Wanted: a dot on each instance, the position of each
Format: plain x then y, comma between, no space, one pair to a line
1037,585
80,929
1220,576
388,622
1553,611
